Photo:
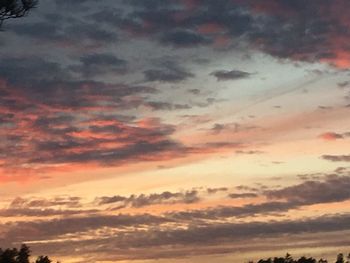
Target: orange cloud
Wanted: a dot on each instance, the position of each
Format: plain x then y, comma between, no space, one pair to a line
330,136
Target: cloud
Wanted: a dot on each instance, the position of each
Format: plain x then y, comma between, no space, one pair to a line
99,64
199,239
46,229
183,38
152,199
249,152
215,190
158,105
299,32
212,233
243,195
331,136
67,201
168,71
343,84
332,189
46,212
189,229
222,75
45,207
63,132
337,158
61,31
226,212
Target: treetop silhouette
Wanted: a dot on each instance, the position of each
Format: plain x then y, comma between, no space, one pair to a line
13,255
15,8
289,259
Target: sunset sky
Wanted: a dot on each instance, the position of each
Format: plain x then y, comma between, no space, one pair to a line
176,130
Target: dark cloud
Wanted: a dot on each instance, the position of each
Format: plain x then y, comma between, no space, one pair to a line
168,71
215,190
183,38
43,212
46,229
243,195
225,212
100,64
230,75
249,152
194,91
67,201
152,199
212,233
136,151
218,127
337,158
158,105
193,237
332,189
25,71
343,84
61,30
297,31
58,101
69,4
44,207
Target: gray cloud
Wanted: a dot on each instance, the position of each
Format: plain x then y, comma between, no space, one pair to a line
152,199
332,189
193,237
100,64
222,75
243,195
183,38
337,158
158,105
168,71
46,229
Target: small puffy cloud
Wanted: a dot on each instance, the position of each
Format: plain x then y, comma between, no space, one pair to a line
222,75
331,136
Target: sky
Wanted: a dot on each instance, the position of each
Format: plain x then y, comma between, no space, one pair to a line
176,130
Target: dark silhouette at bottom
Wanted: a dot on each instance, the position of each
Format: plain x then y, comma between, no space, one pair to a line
289,259
22,255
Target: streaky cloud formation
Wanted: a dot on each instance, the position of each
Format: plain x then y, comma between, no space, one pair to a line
175,130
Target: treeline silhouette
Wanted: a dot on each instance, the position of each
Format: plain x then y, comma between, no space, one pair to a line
289,259
21,255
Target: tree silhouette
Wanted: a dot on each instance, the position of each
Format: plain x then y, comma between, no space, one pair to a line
43,259
288,259
9,255
340,258
13,255
23,254
15,8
